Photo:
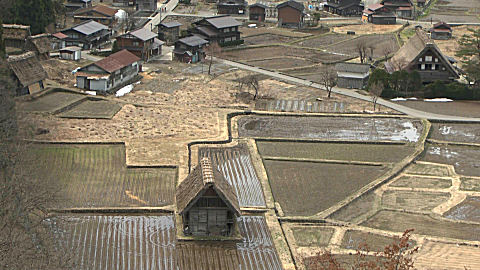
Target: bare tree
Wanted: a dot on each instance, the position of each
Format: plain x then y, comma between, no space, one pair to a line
386,52
328,79
362,48
376,91
250,81
214,50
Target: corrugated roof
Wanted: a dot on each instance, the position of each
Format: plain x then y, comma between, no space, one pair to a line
89,27
27,68
207,31
193,41
117,61
374,6
352,67
107,11
71,49
203,177
294,4
171,24
258,5
223,22
143,34
60,35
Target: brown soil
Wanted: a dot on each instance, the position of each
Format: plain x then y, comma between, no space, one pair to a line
466,160
356,209
357,239
466,133
267,38
456,108
312,236
422,182
444,256
368,28
468,210
281,63
324,40
105,109
379,43
413,201
470,184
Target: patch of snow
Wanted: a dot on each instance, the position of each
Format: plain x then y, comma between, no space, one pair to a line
252,25
124,90
410,133
438,100
398,99
446,130
93,93
75,70
442,152
412,98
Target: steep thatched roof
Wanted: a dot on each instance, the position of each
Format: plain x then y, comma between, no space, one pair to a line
42,43
198,181
27,68
15,31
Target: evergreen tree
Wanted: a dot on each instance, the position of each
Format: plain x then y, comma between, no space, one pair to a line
36,13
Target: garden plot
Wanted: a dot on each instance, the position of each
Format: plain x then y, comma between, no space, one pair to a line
454,11
464,108
465,133
357,209
413,201
438,255
470,184
468,210
114,242
312,236
305,106
428,169
422,224
96,176
236,166
52,102
334,151
375,242
285,51
466,160
267,38
332,128
379,43
281,63
422,182
305,189
92,108
323,40
345,261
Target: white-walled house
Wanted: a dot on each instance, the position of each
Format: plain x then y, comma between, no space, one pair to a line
71,53
110,72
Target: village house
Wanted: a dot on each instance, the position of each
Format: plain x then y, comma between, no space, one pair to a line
220,29
352,75
142,42
441,30
73,5
169,32
290,14
110,72
344,7
15,37
233,7
421,54
58,41
378,14
86,35
146,5
28,73
40,44
99,13
71,53
207,203
257,12
401,8
123,3
190,49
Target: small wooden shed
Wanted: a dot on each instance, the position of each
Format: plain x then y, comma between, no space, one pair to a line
71,53
207,203
257,12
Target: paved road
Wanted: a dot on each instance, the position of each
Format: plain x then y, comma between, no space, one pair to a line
352,93
170,6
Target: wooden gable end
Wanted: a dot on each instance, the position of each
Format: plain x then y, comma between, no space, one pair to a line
437,58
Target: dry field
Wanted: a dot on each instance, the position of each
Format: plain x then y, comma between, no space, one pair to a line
413,201
312,236
367,29
334,151
455,11
465,159
375,242
456,108
470,184
319,185
248,32
331,128
410,181
379,43
93,108
281,63
268,38
52,102
357,209
464,133
95,176
468,210
428,169
444,256
324,40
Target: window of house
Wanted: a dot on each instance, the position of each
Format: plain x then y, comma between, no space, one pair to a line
428,66
436,60
428,59
136,43
422,67
420,60
437,67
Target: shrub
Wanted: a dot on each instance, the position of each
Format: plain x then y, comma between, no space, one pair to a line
232,43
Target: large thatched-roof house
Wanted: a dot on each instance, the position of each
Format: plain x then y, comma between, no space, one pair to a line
28,72
207,203
40,44
421,54
15,36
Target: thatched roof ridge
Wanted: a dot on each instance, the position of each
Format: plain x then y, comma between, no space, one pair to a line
200,179
409,51
27,68
42,43
15,31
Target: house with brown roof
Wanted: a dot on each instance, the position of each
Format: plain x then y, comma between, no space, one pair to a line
169,32
344,7
40,44
220,29
421,54
99,13
207,204
110,72
141,42
257,12
15,36
401,8
378,14
441,30
28,73
290,14
58,40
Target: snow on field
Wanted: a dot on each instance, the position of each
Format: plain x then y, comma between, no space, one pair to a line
124,90
438,100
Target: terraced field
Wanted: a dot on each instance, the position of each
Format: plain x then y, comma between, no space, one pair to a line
236,166
96,176
466,133
98,109
305,106
52,102
465,159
